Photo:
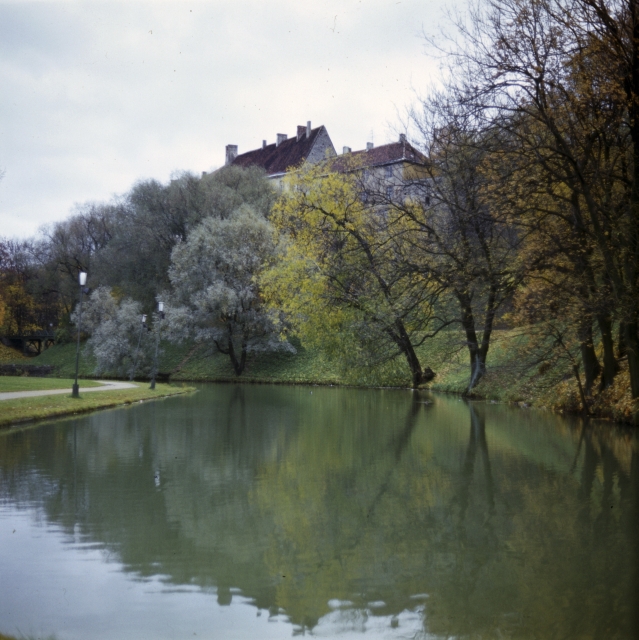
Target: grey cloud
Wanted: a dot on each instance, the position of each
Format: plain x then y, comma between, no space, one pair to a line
96,101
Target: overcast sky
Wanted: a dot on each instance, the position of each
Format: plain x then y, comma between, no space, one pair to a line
97,95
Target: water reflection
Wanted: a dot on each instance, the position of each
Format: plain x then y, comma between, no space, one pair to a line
347,510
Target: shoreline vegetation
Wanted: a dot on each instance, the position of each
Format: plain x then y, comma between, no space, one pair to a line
513,375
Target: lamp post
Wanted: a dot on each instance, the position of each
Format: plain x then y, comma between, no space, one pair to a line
157,343
137,351
75,392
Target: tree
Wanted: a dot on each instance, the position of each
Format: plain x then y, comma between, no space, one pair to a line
119,342
227,189
463,233
215,295
153,217
73,245
562,78
24,308
346,266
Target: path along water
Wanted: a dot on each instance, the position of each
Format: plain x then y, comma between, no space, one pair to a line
108,385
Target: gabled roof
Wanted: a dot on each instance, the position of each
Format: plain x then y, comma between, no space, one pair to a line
275,158
401,151
393,152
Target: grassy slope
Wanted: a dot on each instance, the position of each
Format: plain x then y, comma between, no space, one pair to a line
9,355
63,358
21,383
29,409
303,367
446,354
511,377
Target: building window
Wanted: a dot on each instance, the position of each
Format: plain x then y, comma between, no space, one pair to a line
389,193
389,171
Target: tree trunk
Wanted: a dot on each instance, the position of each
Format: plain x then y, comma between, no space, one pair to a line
476,352
621,341
632,265
403,341
631,340
238,365
242,357
582,395
592,368
477,372
610,367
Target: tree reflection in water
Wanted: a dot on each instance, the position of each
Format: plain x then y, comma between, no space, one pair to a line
345,508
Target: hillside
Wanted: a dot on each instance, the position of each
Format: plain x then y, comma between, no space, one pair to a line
197,363
513,374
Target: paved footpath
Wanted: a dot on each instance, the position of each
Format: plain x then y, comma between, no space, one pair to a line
109,385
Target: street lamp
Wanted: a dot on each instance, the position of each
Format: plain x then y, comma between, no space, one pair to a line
137,351
75,392
157,343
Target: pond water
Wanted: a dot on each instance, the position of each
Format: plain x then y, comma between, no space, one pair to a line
269,512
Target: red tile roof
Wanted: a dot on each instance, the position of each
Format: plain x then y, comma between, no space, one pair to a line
279,158
379,156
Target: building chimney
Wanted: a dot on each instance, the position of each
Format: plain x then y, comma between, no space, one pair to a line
346,150
280,138
308,129
263,144
402,137
369,146
203,174
231,153
301,130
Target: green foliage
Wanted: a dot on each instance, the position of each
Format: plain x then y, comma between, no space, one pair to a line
154,217
215,293
119,340
342,281
226,190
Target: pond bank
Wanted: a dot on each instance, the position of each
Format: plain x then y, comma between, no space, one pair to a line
30,409
514,376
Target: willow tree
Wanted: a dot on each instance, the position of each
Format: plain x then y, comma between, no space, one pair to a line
153,217
216,298
343,282
119,341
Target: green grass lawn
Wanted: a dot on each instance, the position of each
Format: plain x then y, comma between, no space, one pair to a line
22,383
41,407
